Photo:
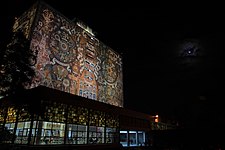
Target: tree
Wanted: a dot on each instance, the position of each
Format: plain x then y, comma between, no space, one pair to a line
16,63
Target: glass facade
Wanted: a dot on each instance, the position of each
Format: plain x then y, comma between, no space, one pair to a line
76,134
22,132
132,138
59,123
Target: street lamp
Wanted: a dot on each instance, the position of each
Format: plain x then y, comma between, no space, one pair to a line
156,118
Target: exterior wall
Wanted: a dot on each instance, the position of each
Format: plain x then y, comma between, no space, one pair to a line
71,59
25,21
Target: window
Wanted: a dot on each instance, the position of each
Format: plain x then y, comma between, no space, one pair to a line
132,138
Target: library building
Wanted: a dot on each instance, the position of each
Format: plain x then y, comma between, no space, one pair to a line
76,96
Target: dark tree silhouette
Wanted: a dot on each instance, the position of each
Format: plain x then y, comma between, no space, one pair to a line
16,61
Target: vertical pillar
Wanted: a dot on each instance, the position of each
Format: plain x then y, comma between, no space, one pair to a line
66,131
137,138
105,129
128,138
15,127
88,123
31,128
39,130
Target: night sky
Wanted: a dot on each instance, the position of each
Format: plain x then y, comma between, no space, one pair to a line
173,53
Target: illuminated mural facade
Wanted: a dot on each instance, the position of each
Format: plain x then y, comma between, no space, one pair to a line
25,21
71,59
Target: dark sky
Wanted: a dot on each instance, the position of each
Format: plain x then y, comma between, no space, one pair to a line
162,72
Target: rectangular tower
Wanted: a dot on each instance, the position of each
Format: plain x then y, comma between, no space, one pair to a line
69,56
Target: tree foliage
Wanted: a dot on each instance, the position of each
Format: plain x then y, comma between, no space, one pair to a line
16,63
